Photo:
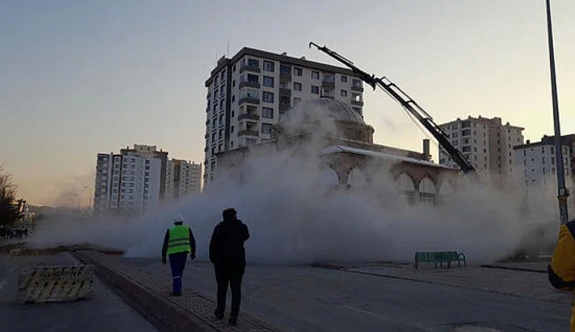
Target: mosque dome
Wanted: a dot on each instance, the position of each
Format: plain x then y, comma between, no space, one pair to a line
327,117
335,110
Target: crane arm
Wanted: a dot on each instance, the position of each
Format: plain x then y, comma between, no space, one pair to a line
407,103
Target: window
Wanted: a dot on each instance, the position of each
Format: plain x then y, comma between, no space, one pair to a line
284,100
466,132
344,79
268,97
296,100
266,128
355,82
232,129
268,81
267,113
296,86
315,89
328,77
343,93
315,75
297,71
249,93
269,66
253,63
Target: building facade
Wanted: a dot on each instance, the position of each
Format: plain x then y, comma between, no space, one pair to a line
486,143
182,178
152,152
126,183
346,152
538,163
247,94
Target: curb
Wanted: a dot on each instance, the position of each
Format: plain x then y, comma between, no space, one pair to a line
522,269
162,314
148,295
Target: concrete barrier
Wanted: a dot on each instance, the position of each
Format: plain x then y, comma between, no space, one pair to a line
55,283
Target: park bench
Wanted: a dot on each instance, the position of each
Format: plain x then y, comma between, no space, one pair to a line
440,257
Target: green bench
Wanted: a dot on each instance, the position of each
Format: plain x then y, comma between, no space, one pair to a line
440,257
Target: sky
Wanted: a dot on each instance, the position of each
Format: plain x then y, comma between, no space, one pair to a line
79,78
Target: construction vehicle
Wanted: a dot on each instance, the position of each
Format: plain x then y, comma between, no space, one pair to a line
410,105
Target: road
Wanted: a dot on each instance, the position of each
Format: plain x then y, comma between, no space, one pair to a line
105,311
302,298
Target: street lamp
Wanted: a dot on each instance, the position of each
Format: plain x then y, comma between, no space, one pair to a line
562,192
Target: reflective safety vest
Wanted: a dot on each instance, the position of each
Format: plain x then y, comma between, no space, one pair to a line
179,239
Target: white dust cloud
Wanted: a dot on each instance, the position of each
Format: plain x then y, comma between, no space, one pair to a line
295,216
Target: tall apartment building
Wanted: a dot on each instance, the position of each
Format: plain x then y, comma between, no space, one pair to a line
152,152
486,143
247,94
126,183
537,162
182,178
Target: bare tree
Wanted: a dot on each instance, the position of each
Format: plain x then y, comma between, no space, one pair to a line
8,206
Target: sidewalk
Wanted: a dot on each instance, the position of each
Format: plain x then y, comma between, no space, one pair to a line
518,279
105,311
149,294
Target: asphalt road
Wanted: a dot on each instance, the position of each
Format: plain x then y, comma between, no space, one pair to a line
105,311
302,298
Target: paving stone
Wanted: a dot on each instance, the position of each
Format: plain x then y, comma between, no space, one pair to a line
196,307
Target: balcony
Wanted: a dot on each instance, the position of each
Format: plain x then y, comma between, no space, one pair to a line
357,103
285,92
249,99
249,68
248,116
285,77
284,107
248,133
254,85
356,88
328,85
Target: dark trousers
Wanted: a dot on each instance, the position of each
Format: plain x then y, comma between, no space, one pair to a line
232,275
177,264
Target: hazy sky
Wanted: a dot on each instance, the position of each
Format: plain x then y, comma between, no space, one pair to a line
82,77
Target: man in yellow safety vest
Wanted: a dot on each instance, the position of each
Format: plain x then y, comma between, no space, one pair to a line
178,242
562,267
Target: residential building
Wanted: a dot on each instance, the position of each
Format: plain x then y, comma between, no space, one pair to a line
182,178
539,162
247,94
152,152
126,183
486,143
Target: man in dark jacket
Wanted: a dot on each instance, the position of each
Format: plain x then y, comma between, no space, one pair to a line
228,255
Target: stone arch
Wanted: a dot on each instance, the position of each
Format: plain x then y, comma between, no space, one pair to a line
446,188
358,178
327,177
426,185
405,182
427,191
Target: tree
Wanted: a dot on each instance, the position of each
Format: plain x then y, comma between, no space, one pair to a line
8,208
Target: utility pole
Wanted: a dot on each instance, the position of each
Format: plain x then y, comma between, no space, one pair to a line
562,192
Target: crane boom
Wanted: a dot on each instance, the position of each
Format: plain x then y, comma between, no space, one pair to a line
409,104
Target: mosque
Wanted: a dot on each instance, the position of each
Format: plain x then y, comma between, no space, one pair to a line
344,143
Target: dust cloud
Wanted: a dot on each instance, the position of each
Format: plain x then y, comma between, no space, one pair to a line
296,215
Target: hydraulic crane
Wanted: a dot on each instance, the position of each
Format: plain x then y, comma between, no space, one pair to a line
409,104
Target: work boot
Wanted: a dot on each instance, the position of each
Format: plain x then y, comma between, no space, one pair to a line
218,315
233,321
